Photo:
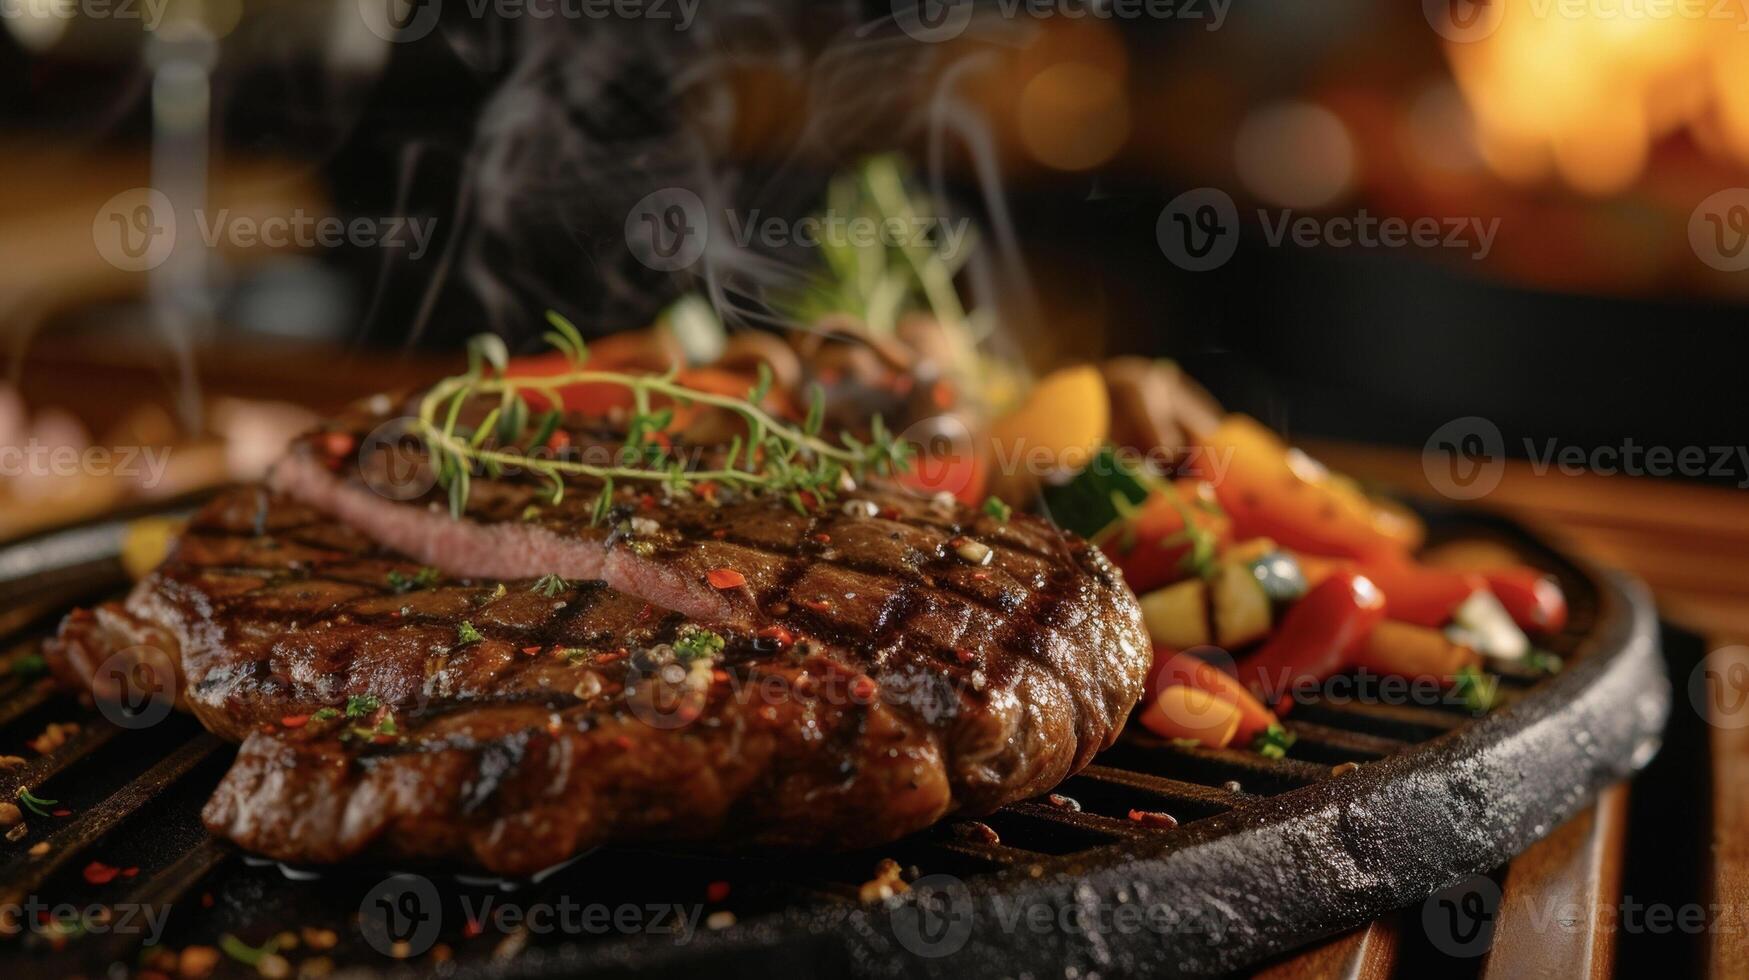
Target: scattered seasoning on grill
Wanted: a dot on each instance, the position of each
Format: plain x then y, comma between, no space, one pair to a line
998,509
38,849
33,803
725,578
1343,769
53,737
697,644
19,832
863,688
401,583
980,576
965,655
359,705
98,873
60,812
823,538
550,585
817,605
10,814
976,831
888,881
497,593
860,508
943,502
196,962
1233,786
720,919
465,633
295,721
1062,802
588,686
779,636
716,891
1154,819
973,552
1273,742
530,651
720,533
644,526
318,938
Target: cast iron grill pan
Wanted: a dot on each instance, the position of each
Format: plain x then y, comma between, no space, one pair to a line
1267,854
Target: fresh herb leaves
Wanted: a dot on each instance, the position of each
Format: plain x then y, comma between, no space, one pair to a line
402,583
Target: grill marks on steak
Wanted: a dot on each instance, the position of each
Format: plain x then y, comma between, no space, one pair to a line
918,684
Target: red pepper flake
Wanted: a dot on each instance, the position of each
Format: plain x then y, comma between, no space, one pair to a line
863,688
471,928
707,490
719,676
531,651
98,873
645,613
646,501
720,533
889,514
1154,819
268,728
716,891
295,721
1062,802
129,872
817,605
206,900
725,578
942,394
558,440
783,637
623,741
336,443
396,614
964,655
62,812
823,538
980,576
809,501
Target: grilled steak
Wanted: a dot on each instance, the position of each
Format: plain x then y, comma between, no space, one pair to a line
865,679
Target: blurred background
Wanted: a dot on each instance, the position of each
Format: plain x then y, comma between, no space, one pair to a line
1358,220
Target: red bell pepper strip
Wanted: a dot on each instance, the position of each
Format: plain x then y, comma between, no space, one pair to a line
1533,598
1171,668
1150,548
1420,594
1318,637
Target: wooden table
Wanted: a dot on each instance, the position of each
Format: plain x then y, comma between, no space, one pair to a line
1691,545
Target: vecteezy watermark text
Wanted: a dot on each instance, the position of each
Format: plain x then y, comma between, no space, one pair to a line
56,919
935,21
1199,230
400,21
150,13
145,464
1466,458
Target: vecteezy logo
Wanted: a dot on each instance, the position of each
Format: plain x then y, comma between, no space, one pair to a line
135,230
135,687
401,916
1465,458
1460,920
946,459
935,918
1464,21
1718,230
933,21
1199,229
1718,687
400,21
668,229
393,462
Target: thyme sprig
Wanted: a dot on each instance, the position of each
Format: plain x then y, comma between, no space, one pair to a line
774,456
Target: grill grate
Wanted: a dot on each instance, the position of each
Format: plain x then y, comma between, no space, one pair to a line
134,799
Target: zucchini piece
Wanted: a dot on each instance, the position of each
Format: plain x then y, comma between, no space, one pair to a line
1483,624
1177,616
1241,606
1280,576
1084,504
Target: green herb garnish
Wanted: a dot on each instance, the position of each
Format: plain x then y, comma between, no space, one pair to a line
1273,742
359,705
550,585
465,633
244,953
29,665
773,456
998,509
325,714
1476,688
33,803
425,578
697,644
1543,662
